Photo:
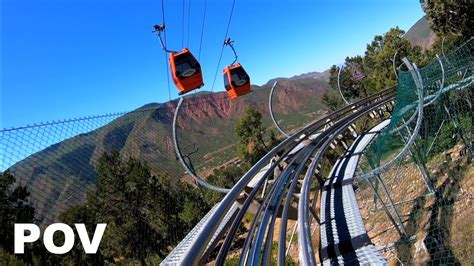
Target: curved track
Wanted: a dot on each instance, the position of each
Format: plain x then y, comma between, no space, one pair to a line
297,188
343,235
298,151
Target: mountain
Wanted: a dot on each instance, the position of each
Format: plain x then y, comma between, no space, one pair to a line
421,34
321,76
324,76
59,176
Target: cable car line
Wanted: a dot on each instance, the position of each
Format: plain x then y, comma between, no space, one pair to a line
202,28
217,69
182,23
166,54
163,16
189,20
230,19
239,81
167,76
222,49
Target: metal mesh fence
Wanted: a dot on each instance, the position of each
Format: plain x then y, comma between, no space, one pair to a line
60,158
59,163
419,210
142,192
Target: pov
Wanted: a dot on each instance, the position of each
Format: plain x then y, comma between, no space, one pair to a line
90,246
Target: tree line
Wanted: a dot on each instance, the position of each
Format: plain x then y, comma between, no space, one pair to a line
450,20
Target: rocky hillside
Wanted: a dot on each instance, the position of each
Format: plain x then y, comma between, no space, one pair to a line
421,34
60,175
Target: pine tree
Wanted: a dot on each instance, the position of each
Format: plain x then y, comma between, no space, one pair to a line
14,208
450,16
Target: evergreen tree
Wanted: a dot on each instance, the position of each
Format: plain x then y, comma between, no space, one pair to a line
333,101
376,65
14,208
145,214
451,17
250,132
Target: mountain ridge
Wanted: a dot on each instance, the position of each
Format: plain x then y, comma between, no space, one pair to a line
60,175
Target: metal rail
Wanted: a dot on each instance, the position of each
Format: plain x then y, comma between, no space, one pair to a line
258,244
270,107
276,196
190,171
339,85
306,250
197,249
248,239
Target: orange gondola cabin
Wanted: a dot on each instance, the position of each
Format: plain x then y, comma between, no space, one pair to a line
186,71
236,81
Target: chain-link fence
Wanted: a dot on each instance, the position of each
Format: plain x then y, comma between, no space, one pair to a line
121,169
419,210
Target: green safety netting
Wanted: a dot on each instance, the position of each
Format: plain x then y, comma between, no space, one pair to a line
446,112
426,192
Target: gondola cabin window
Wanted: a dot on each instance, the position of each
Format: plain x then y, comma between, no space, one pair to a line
239,77
226,82
186,66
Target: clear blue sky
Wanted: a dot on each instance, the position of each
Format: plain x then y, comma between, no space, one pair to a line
69,58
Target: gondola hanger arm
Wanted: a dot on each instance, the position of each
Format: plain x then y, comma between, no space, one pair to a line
159,29
229,42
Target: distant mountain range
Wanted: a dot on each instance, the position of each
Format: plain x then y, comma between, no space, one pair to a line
59,176
322,76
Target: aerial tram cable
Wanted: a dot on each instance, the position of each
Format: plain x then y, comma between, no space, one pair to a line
166,54
187,76
202,29
237,83
182,22
189,20
222,49
236,79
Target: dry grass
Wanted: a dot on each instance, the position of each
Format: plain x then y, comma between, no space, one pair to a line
443,225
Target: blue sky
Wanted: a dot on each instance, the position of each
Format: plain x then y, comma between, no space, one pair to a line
70,58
